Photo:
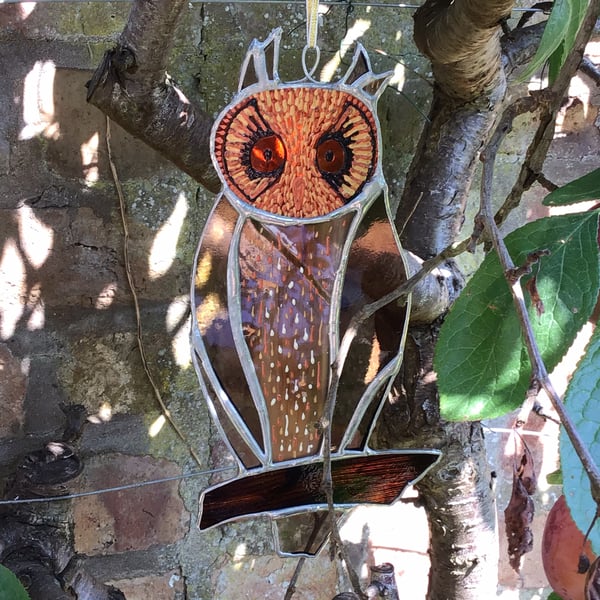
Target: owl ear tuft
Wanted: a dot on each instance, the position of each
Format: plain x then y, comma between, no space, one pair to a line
261,62
359,75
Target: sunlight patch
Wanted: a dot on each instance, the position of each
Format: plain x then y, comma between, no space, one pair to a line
36,239
155,428
106,297
38,102
35,306
353,34
164,246
12,283
89,159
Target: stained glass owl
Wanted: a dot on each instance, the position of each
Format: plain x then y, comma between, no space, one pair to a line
299,240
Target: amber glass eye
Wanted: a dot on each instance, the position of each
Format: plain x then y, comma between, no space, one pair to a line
332,156
267,155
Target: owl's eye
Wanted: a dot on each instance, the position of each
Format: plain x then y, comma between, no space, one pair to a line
346,154
251,155
333,156
267,155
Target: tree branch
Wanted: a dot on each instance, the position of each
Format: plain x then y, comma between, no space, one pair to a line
462,40
539,371
538,149
445,162
131,87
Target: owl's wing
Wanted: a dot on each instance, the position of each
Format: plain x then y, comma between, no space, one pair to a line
375,268
215,352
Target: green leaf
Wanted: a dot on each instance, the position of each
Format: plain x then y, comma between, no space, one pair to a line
554,478
555,32
558,57
481,361
554,596
581,401
558,37
579,190
578,9
10,587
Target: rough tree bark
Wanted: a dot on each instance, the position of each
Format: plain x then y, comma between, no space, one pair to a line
131,87
462,40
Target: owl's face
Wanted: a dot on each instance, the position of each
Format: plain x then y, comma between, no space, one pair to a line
297,151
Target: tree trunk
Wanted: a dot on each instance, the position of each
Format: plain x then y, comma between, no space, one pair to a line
462,40
457,496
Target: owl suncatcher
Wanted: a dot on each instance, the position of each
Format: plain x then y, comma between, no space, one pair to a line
299,240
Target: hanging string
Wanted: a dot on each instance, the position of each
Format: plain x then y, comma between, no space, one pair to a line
312,22
136,303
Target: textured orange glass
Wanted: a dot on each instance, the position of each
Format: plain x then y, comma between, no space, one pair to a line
297,152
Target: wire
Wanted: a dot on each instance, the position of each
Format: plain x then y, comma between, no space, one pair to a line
252,2
119,488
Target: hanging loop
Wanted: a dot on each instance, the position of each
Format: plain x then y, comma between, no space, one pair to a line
312,28
310,72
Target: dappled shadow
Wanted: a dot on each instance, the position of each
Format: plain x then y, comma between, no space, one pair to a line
66,313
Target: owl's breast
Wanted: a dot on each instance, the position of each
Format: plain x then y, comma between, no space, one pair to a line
287,278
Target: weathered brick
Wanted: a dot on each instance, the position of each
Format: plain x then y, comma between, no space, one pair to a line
168,586
131,519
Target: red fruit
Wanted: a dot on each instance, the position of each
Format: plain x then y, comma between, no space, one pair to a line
562,546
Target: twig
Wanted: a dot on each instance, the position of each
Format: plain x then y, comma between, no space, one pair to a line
318,524
538,409
546,183
140,342
362,315
327,481
590,69
519,107
533,258
551,101
291,588
540,373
